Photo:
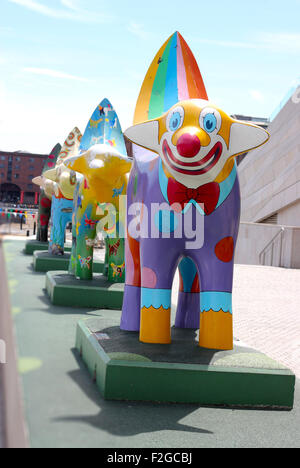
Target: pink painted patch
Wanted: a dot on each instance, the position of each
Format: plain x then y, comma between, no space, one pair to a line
50,164
149,278
183,92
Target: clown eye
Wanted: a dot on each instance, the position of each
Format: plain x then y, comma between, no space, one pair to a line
175,119
210,119
210,123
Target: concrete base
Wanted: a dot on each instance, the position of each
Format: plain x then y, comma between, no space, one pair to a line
65,290
126,369
44,262
33,245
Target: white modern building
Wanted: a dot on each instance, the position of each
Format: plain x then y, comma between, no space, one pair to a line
270,189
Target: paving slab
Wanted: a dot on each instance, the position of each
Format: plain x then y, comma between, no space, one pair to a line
63,406
266,305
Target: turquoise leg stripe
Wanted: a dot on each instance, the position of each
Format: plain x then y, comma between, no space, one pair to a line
214,300
156,298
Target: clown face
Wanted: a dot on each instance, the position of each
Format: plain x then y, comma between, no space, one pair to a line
197,141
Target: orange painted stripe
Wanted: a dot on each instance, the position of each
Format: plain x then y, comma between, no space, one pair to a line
142,105
195,81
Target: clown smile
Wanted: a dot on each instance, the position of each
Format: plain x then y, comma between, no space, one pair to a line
196,168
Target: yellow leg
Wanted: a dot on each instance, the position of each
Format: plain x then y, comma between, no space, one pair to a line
155,325
216,330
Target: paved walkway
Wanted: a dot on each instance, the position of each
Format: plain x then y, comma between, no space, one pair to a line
266,306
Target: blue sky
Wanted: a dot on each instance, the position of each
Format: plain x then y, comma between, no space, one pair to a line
60,58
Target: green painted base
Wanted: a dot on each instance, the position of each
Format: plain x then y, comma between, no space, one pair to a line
43,262
65,290
33,245
126,369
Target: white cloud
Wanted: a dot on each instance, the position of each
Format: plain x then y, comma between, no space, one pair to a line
273,42
138,30
281,42
72,4
54,74
232,44
71,11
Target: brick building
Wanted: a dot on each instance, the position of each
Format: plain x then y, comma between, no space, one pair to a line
16,173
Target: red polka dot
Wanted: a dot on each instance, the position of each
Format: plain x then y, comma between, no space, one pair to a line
44,220
45,202
224,249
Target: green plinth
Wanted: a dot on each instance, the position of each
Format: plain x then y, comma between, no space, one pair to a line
125,369
44,262
65,290
33,245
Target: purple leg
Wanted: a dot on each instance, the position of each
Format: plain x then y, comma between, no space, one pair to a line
188,310
131,310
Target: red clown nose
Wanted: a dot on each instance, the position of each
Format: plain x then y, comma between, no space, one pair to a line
188,145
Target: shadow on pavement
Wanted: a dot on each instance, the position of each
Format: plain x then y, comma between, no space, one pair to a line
129,418
62,310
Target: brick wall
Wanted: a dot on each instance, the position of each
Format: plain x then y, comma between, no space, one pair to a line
18,169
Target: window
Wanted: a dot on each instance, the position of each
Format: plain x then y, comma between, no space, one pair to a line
18,159
3,158
31,176
31,160
2,175
17,176
17,167
31,168
2,166
30,186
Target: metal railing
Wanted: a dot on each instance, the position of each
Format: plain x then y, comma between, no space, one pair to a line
271,246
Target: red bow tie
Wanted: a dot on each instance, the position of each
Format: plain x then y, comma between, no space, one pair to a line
207,194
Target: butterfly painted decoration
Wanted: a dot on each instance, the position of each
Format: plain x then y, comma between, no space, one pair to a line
113,249
85,262
118,192
118,269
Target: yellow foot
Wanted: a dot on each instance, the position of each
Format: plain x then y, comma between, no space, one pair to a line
155,325
216,330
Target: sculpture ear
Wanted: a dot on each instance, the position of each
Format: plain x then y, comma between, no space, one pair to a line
77,163
50,174
145,135
245,137
38,181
